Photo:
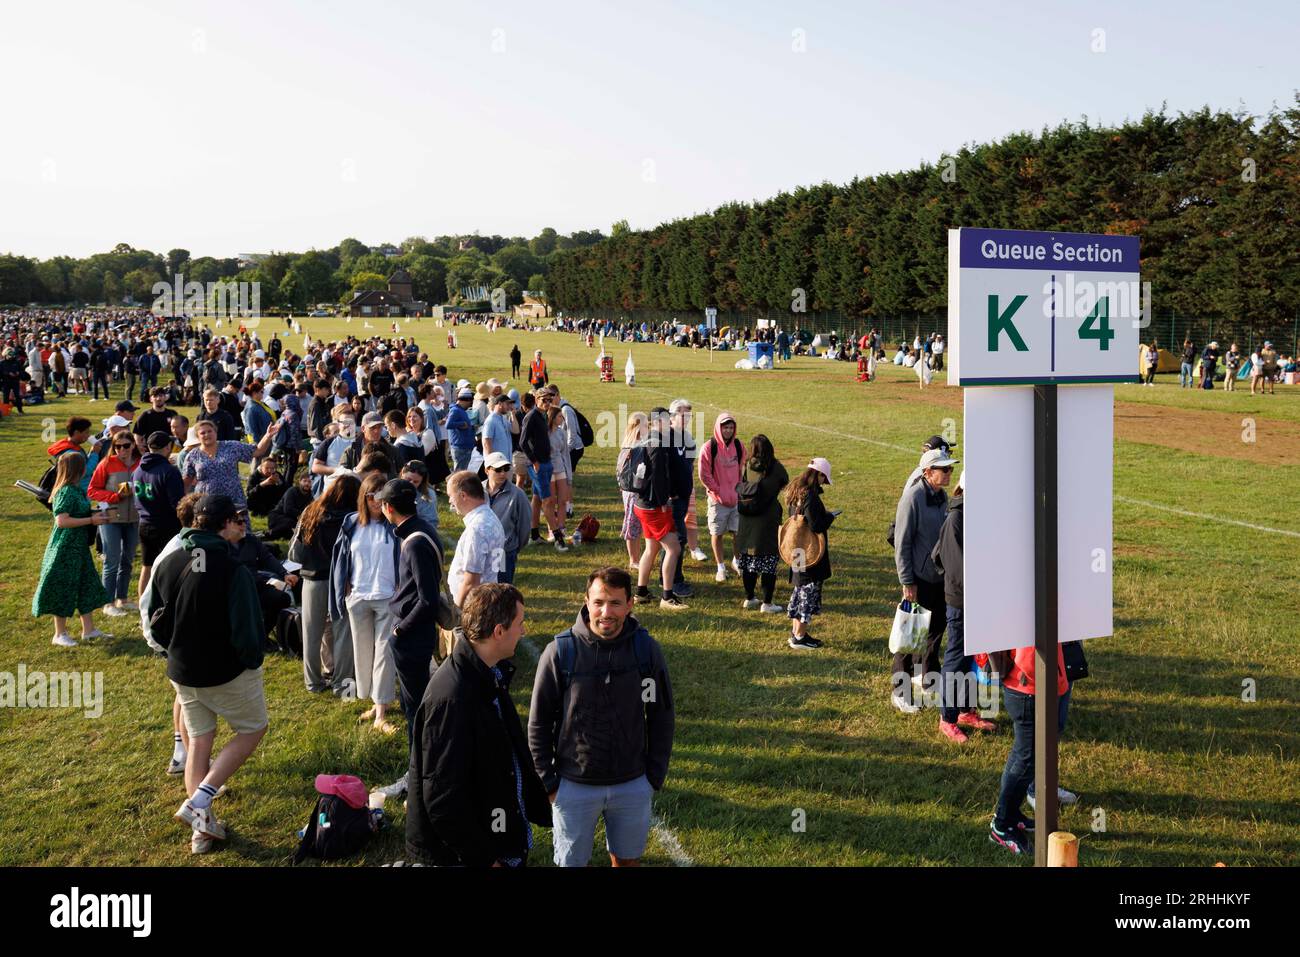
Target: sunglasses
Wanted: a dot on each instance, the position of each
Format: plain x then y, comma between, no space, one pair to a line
942,468
123,445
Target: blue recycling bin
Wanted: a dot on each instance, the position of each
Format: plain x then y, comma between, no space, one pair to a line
759,349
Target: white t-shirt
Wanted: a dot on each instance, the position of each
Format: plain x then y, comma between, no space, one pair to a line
374,574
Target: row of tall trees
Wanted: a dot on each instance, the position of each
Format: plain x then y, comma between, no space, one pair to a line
1215,198
439,269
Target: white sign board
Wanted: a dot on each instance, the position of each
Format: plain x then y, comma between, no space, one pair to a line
711,318
998,456
1031,307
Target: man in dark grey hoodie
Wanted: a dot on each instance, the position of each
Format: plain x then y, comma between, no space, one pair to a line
601,726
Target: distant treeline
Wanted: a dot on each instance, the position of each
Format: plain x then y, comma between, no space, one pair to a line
1215,198
439,269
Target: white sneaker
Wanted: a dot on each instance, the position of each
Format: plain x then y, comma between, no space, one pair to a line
176,766
1063,797
721,574
112,611
735,563
129,606
771,609
207,825
903,706
749,604
201,843
65,641
698,554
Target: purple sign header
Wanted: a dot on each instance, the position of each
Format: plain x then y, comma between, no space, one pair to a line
1071,252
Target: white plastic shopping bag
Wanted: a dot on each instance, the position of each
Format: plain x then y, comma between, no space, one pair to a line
911,628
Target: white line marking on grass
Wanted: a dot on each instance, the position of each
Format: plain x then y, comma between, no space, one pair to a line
811,428
1119,498
669,840
1212,518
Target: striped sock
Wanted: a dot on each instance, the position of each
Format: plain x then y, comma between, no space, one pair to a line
202,797
178,747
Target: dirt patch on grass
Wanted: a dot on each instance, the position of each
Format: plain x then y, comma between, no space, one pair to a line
1221,434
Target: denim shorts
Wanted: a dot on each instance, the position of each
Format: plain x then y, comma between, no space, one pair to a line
625,807
541,476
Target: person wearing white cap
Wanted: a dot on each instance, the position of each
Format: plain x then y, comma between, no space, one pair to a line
918,519
511,506
805,498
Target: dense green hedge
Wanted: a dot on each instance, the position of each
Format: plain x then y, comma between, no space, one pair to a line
1213,196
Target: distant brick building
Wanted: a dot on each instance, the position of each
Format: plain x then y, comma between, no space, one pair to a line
397,300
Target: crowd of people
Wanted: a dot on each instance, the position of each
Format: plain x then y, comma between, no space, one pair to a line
1265,367
348,444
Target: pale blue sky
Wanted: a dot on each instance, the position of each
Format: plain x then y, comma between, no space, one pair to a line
234,126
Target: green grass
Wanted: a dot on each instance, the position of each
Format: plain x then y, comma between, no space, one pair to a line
1159,739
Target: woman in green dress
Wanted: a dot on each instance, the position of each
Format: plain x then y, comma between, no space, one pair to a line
70,584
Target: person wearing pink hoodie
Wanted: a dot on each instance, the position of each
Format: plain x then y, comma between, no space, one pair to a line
721,464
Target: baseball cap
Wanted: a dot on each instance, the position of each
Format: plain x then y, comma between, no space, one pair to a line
514,394
463,383
496,460
938,442
158,441
822,465
221,508
400,494
259,354
936,458
126,405
114,421
371,418
465,394
348,787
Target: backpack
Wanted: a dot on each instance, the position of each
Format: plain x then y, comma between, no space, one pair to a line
634,472
584,428
288,631
589,527
566,655
747,498
799,545
46,482
336,830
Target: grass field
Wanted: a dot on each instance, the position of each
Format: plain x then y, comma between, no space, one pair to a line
1159,741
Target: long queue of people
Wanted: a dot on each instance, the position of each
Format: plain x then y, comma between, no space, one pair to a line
365,564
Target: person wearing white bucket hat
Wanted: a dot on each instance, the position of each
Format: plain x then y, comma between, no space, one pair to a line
805,498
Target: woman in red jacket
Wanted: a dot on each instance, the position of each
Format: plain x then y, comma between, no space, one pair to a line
1010,827
110,487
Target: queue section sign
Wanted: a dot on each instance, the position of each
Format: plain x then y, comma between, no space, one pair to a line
1031,308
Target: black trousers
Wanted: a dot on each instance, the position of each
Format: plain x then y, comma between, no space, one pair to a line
413,660
929,595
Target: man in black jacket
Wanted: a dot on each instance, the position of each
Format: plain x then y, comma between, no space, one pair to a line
205,614
601,726
473,789
414,605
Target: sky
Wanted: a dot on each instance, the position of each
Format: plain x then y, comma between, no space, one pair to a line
236,126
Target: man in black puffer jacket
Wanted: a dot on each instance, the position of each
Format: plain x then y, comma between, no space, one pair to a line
472,790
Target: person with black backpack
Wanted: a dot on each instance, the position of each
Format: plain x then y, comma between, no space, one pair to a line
652,471
472,788
601,725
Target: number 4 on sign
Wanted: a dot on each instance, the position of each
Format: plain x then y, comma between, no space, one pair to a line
1096,325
